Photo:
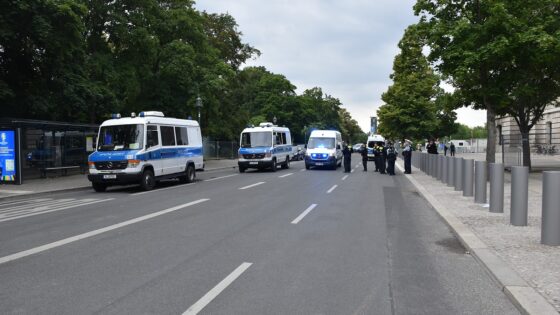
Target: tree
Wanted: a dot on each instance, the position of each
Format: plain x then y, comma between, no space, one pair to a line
415,106
501,55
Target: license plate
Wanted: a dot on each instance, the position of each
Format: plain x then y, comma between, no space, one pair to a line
319,163
254,163
110,176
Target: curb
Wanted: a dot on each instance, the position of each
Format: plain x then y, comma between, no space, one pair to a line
525,298
40,193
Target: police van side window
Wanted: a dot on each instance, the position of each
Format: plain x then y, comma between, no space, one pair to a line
152,136
167,136
182,135
278,138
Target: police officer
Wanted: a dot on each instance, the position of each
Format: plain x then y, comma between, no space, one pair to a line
347,154
382,158
376,153
407,154
391,158
363,152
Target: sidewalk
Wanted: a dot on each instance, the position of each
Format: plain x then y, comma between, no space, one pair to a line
76,182
518,248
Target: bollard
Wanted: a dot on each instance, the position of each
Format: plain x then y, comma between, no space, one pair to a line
444,170
440,166
434,165
481,177
451,172
496,187
519,195
550,225
468,178
458,174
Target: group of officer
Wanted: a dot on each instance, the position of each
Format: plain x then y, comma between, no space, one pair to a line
384,158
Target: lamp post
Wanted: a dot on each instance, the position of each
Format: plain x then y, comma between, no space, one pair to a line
198,104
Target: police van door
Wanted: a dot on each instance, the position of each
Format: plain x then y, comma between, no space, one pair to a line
153,149
168,150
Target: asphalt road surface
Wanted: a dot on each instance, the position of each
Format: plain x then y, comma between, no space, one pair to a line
285,242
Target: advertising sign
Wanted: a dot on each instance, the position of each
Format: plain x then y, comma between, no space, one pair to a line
7,156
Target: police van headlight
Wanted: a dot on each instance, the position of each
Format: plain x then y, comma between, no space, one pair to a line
269,154
133,163
331,154
239,155
91,165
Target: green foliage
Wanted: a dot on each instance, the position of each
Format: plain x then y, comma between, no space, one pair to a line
466,132
415,107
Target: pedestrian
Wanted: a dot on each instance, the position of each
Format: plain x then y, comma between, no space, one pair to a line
407,155
432,147
376,153
452,149
347,154
391,158
382,158
445,149
363,152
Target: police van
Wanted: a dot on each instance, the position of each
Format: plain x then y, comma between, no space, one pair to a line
372,141
324,148
145,149
265,146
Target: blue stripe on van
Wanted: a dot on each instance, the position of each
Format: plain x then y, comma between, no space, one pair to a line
162,153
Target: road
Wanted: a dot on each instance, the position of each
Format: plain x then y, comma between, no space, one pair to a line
285,242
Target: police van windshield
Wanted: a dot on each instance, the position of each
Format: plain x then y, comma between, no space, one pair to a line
122,137
256,139
323,143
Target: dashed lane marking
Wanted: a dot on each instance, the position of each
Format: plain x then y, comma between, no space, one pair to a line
252,185
331,189
286,175
304,213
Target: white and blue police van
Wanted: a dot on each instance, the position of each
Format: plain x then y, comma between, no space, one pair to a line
324,148
145,149
373,140
265,146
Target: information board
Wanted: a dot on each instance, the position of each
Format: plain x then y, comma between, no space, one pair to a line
7,156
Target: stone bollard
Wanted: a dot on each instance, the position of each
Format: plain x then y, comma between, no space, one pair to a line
519,195
481,177
550,225
468,177
458,176
451,171
444,169
496,187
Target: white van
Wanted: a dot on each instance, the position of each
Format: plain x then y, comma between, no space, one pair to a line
145,149
265,146
324,148
372,141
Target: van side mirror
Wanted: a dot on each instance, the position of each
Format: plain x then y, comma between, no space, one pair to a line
338,146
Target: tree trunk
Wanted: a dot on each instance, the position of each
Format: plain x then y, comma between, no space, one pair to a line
526,149
491,138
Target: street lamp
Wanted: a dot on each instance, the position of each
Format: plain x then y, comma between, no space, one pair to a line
198,105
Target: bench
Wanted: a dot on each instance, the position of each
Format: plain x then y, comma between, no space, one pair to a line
64,169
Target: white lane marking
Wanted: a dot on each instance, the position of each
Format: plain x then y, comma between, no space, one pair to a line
161,189
332,188
72,239
286,175
15,191
304,213
252,185
303,170
216,178
34,205
42,206
43,211
352,171
11,203
345,177
212,294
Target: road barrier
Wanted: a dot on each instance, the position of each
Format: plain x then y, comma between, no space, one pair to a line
519,195
468,166
444,169
481,177
550,224
451,171
496,187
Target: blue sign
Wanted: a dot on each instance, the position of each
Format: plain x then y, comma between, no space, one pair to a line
7,156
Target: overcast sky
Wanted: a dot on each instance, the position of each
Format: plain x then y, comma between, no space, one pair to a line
345,47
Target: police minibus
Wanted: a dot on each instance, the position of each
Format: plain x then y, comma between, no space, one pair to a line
145,149
372,141
265,146
324,148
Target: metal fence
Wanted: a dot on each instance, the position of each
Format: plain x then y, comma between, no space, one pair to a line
216,149
544,144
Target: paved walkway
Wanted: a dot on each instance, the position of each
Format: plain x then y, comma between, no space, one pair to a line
51,184
519,247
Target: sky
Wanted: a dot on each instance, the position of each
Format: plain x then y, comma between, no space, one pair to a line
345,47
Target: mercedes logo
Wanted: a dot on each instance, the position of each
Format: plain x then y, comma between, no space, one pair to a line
110,165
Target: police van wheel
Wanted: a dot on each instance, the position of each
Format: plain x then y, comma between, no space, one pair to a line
99,187
241,169
190,174
148,180
286,164
273,166
307,166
